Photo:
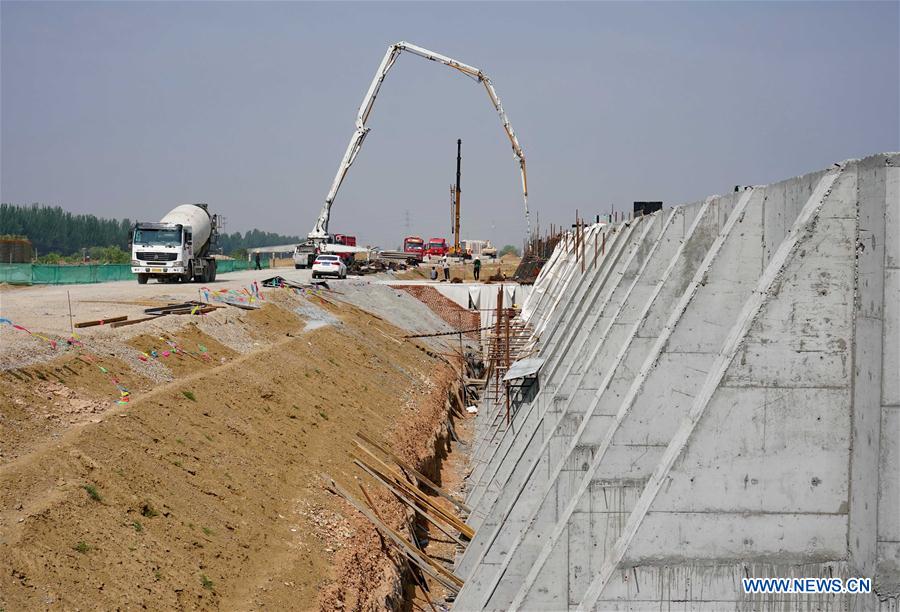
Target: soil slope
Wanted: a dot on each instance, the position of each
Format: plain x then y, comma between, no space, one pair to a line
205,492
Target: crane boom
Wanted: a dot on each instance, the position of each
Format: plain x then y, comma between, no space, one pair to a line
320,230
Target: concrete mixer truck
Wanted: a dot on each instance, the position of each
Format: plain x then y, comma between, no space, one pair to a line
177,248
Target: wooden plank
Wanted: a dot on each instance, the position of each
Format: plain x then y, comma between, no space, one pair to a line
189,311
400,481
378,476
417,576
182,308
133,321
432,568
443,493
99,322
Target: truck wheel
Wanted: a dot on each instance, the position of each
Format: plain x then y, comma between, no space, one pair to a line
212,271
297,266
142,279
188,274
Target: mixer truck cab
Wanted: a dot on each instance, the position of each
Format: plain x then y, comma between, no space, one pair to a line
177,248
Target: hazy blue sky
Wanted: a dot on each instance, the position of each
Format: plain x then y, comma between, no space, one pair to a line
125,109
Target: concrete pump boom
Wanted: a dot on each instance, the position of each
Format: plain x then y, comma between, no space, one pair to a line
320,231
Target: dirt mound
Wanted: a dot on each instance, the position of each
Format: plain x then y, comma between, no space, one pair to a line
182,352
489,267
39,402
205,491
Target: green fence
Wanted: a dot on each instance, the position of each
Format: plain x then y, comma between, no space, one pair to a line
231,265
15,274
77,275
37,274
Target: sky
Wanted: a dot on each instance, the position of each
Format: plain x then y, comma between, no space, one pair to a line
126,109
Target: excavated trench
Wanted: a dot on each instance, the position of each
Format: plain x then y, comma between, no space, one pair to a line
376,575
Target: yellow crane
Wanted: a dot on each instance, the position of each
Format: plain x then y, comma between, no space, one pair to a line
454,203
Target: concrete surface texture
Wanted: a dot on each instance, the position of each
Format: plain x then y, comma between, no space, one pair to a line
720,399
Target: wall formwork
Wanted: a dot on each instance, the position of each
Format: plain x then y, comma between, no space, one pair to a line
720,399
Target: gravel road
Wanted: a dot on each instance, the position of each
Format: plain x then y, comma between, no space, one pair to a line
44,309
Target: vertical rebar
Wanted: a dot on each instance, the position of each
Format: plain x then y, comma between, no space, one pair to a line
507,363
497,335
581,226
71,320
575,231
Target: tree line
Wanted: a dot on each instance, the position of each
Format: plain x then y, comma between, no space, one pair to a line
54,230
57,234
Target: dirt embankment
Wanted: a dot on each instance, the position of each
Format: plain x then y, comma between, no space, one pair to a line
506,266
205,492
370,573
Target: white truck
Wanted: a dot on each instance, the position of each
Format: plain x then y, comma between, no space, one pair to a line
479,249
177,248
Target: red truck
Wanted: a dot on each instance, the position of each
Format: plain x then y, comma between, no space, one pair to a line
414,246
345,240
437,247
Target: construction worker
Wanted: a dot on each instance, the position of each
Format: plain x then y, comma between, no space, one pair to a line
476,268
258,267
446,269
433,273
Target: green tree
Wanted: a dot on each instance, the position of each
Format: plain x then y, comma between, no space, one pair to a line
51,229
110,254
509,249
50,258
54,230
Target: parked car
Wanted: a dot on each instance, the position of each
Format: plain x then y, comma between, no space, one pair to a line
329,265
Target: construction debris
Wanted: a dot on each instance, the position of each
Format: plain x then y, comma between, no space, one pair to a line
422,478
188,308
99,322
397,259
280,281
133,321
247,298
428,565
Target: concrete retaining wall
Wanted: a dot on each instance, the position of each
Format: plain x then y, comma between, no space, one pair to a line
720,399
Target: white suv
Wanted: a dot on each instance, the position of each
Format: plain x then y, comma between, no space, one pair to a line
329,265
